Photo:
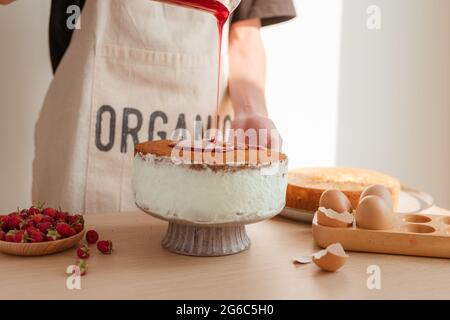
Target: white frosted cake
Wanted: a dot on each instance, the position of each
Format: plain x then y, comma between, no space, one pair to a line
203,186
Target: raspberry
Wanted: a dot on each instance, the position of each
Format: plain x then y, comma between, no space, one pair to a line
105,246
2,235
91,236
83,252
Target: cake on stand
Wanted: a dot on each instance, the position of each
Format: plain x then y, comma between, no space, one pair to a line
208,193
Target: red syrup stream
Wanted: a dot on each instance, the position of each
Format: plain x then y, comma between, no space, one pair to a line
221,12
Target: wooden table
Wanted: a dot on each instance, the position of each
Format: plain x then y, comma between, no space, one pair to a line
140,268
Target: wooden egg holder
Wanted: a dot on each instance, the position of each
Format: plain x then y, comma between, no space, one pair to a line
413,234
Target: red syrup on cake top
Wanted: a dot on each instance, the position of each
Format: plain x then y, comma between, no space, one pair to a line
230,159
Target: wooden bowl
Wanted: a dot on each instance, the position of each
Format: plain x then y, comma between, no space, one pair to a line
40,248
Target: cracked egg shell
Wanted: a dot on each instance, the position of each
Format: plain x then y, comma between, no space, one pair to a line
330,218
380,191
374,213
336,200
331,259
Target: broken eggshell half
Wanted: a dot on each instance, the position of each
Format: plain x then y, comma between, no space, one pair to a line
334,209
336,200
330,259
302,260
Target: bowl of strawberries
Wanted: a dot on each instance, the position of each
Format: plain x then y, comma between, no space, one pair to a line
38,231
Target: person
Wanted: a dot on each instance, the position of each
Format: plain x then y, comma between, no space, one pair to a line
140,70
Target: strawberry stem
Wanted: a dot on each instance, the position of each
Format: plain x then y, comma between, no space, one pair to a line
40,205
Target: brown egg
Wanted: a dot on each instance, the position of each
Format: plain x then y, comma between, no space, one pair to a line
380,191
330,218
331,259
373,213
336,200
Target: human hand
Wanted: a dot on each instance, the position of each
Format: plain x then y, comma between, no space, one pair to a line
267,134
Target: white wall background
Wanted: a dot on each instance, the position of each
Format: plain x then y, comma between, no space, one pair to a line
25,73
394,108
302,88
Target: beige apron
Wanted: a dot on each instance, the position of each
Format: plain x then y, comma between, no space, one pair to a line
135,71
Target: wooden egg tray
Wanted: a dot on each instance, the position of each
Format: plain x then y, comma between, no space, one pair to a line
413,234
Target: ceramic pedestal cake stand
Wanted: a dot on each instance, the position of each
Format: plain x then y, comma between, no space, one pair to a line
206,240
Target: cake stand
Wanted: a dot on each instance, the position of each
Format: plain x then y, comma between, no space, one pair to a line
207,240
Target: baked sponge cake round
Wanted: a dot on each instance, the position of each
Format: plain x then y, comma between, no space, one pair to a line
209,183
306,185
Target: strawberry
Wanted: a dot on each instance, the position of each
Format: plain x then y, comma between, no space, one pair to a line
36,218
33,210
22,213
4,223
44,226
91,236
60,216
49,212
65,230
83,252
27,223
78,227
2,235
34,235
75,219
20,236
105,246
70,219
15,222
79,219
31,228
10,235
47,219
52,235
83,266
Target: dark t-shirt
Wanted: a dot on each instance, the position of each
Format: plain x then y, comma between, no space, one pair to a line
269,11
